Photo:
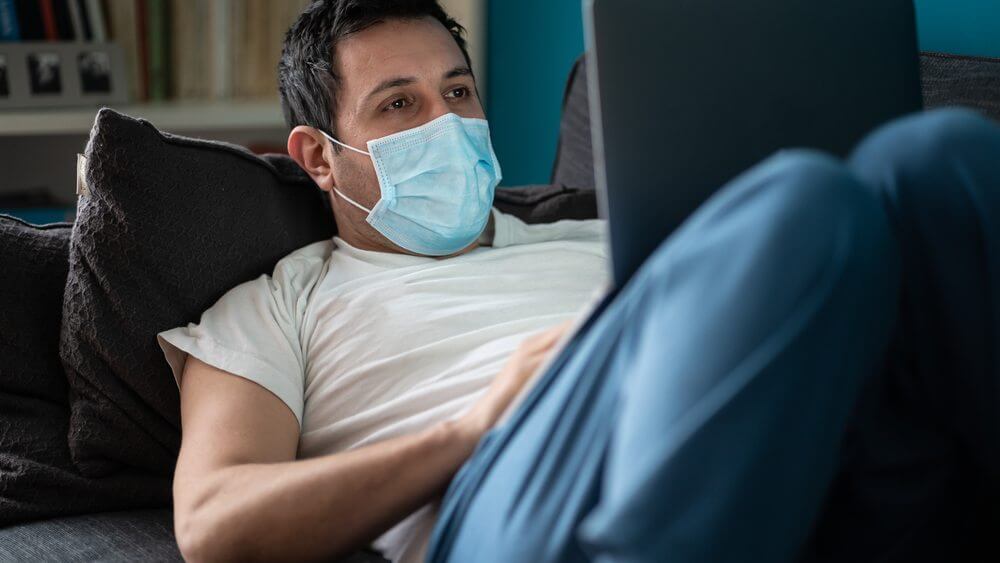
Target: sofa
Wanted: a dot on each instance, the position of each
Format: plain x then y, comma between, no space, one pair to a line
85,463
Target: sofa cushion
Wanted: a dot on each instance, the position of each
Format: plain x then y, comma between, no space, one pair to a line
139,535
37,477
574,163
110,537
31,282
951,80
168,225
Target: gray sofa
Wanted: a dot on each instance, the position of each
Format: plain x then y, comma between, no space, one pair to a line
146,534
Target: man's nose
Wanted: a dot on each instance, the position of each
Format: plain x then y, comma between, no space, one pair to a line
437,107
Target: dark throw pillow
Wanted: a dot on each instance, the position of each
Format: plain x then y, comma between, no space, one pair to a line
169,224
37,477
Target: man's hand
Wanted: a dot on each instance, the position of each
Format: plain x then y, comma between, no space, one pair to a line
523,363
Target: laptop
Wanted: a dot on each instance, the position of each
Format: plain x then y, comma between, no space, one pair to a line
687,94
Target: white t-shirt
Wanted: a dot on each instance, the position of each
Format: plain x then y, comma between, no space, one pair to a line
364,346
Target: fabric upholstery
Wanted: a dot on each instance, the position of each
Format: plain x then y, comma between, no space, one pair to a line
37,477
957,80
110,537
170,224
574,164
134,535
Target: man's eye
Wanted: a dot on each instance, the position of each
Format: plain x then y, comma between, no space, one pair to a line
458,92
397,104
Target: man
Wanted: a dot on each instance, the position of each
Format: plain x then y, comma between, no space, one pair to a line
363,356
698,413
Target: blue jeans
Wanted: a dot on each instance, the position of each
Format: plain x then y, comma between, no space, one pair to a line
818,343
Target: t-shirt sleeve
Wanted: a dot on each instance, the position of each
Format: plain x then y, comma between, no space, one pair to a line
253,332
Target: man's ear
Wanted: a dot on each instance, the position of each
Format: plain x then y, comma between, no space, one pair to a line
307,147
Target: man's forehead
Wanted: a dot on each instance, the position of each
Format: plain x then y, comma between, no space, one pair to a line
415,47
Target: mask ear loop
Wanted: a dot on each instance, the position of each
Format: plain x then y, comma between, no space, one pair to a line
340,193
346,146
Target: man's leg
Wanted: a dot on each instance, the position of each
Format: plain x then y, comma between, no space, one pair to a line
924,448
698,417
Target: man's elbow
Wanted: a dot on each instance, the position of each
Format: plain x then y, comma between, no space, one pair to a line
200,541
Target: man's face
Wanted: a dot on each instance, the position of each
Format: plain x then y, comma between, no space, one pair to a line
395,75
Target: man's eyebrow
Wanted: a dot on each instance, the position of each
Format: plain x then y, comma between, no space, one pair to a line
458,71
391,83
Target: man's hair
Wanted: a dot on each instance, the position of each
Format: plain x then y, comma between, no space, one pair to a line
307,81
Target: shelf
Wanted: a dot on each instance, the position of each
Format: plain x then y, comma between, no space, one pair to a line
168,116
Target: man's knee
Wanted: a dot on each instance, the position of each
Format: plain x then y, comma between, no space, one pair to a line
821,206
811,195
925,148
792,212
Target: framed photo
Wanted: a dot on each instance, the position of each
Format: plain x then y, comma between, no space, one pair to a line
95,72
61,74
4,83
44,74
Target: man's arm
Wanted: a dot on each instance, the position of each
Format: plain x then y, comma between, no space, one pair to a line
240,494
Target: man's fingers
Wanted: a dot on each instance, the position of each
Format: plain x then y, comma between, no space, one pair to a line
556,332
543,341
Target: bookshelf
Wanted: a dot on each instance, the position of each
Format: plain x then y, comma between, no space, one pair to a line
200,68
178,116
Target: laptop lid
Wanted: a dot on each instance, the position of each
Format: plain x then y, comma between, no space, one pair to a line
687,94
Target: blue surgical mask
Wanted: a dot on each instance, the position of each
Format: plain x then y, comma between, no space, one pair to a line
437,183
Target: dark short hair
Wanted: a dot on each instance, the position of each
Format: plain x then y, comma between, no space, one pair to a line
307,82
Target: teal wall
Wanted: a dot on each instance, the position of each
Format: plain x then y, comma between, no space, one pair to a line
533,43
967,27
532,47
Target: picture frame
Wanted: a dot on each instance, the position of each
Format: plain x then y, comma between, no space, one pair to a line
38,74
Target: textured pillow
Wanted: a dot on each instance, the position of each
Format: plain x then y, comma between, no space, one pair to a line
168,226
547,203
574,164
951,80
37,478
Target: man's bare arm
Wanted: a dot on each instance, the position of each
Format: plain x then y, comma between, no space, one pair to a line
240,494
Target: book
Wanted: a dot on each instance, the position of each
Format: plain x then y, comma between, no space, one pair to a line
142,17
9,28
221,48
64,22
124,26
48,20
29,17
76,19
158,45
189,56
88,29
95,15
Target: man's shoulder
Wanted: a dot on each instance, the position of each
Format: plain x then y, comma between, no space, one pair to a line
318,251
302,266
